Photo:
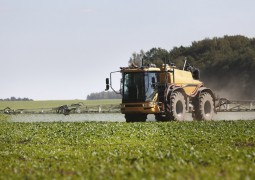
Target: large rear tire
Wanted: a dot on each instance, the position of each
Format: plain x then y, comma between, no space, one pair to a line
135,117
204,108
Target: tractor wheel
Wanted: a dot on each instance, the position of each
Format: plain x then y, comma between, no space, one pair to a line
178,106
135,117
162,118
204,108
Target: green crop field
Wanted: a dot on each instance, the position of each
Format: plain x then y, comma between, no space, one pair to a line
151,150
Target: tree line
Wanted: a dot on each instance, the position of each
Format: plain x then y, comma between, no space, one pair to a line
227,64
16,99
103,95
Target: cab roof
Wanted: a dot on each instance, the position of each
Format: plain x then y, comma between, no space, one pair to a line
149,68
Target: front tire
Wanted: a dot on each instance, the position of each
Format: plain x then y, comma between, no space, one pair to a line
175,108
204,108
135,117
178,106
162,117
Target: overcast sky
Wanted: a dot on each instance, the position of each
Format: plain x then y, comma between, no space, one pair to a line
64,49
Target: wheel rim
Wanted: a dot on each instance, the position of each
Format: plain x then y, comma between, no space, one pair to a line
207,108
179,108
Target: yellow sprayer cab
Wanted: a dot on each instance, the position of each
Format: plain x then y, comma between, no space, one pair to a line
166,92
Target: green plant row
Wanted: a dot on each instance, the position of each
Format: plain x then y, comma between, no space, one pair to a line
3,117
151,150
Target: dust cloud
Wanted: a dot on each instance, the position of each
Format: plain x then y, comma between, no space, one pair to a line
232,88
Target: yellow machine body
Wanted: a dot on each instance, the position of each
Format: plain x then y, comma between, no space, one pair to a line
166,75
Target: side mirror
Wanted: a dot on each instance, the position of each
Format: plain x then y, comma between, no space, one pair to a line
121,85
107,84
196,74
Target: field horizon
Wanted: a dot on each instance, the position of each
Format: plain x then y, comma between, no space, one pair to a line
55,103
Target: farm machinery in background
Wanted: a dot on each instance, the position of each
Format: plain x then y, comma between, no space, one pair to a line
170,94
78,108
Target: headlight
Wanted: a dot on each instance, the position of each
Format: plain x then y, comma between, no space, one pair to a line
148,105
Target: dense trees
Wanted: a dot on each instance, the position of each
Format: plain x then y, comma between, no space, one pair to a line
227,64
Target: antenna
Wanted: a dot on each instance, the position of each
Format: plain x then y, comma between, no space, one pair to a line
165,63
184,63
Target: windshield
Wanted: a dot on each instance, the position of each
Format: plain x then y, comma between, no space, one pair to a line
139,87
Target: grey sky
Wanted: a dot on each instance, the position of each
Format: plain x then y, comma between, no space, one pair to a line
64,49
